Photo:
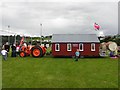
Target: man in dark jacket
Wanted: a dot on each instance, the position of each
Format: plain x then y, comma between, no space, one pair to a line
13,50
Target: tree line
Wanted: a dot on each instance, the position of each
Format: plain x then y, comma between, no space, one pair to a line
27,39
11,39
115,38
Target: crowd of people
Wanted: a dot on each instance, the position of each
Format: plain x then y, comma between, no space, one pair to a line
6,49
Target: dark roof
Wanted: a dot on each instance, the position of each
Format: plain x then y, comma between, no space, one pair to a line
61,38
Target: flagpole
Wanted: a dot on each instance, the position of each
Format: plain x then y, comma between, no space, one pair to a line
41,33
31,40
8,34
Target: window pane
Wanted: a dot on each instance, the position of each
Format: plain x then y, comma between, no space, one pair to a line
81,46
68,47
57,47
92,47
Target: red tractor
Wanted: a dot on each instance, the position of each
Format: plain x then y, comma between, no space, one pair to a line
35,51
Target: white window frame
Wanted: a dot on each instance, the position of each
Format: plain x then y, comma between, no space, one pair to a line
70,46
58,47
82,47
93,46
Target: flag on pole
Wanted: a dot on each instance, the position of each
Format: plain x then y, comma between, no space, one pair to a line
22,40
96,26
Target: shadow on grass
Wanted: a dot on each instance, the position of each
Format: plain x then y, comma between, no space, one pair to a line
62,57
85,57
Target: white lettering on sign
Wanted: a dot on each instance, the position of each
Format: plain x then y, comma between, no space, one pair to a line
75,45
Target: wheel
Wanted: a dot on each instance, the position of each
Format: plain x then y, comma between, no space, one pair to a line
44,51
36,52
22,54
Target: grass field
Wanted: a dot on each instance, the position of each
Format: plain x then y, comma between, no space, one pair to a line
49,72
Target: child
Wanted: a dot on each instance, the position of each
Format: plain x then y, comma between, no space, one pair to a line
4,54
77,54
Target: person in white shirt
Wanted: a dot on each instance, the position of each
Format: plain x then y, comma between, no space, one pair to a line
4,54
17,49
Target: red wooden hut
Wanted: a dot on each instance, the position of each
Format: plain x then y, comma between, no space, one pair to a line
67,44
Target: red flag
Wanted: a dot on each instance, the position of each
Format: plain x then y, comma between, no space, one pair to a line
22,40
96,26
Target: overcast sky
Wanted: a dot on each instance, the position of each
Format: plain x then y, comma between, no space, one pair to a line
60,17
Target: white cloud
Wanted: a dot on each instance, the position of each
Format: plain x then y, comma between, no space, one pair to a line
59,17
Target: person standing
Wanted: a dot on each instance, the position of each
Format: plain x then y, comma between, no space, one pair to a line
4,54
13,50
7,47
77,54
17,49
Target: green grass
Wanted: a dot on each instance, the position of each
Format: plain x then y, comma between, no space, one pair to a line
48,72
